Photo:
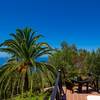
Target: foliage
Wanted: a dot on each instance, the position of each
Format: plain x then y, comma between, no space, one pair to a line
75,62
27,97
95,63
64,59
23,72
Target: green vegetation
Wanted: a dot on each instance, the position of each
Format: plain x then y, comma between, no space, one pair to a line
24,78
28,97
23,72
75,62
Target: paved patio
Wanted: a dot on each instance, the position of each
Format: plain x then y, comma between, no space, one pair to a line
79,96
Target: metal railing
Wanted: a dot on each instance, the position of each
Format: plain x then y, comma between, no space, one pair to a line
57,90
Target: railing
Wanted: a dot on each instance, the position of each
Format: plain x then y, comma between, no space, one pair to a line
57,90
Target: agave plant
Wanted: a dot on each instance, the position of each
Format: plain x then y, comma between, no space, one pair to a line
23,72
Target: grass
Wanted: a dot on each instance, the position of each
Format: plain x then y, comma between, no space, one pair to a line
28,97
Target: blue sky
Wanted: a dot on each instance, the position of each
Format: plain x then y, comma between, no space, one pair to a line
75,21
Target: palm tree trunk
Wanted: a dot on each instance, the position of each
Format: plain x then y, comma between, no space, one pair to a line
26,84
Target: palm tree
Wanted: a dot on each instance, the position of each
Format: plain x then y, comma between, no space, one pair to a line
23,72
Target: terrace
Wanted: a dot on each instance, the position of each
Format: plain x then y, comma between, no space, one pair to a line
63,93
82,96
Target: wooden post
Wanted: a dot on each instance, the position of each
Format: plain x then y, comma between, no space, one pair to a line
87,87
97,85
